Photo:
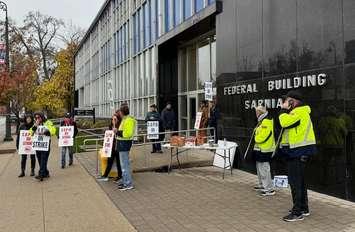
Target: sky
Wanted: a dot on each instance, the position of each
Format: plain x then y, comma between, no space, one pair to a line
77,12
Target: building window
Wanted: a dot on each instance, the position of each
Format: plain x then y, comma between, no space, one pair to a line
147,32
198,5
141,29
211,1
187,9
177,12
154,17
167,15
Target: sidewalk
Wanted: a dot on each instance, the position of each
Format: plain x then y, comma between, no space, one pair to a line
199,200
70,200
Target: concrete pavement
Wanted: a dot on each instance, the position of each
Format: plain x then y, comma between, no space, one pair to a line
199,200
70,200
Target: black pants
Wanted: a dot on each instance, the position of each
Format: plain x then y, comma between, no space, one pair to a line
24,160
42,157
296,168
156,146
114,156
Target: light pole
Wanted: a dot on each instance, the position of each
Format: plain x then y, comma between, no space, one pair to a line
3,7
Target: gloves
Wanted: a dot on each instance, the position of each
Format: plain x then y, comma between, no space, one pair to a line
119,133
47,133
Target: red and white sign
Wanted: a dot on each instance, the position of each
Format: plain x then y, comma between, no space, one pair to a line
198,120
25,143
108,143
66,136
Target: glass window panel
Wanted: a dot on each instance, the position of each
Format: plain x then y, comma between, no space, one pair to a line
319,42
204,64
152,80
199,5
183,106
183,70
191,68
141,29
211,1
280,46
177,12
213,60
249,46
153,15
187,9
349,30
167,15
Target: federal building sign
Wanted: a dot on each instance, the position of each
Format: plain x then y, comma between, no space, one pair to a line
266,87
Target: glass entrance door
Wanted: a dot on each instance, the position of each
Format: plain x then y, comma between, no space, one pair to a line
196,65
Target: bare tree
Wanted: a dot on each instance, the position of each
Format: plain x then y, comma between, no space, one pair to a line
42,30
71,34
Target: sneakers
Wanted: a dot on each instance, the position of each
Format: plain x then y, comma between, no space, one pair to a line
293,218
125,188
22,174
305,213
118,181
268,193
258,188
102,179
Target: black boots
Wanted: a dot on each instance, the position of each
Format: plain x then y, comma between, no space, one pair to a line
32,172
22,174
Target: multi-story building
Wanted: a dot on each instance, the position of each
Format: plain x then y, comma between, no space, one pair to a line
121,49
254,51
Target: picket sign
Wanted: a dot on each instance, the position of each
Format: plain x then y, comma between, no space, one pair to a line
108,143
25,143
153,129
66,136
198,120
40,142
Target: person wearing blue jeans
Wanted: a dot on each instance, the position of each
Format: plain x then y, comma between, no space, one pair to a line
124,138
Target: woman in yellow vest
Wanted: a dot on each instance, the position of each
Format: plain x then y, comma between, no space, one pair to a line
263,149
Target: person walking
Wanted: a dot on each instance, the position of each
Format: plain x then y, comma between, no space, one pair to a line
27,125
263,149
153,115
46,129
125,136
168,119
213,120
68,121
114,125
298,144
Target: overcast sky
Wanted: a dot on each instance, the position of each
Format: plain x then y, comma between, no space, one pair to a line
80,12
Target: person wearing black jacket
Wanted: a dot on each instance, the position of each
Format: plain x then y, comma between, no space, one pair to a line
115,124
68,121
26,126
168,118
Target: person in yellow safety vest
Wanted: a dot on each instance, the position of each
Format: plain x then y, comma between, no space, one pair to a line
43,127
298,144
125,134
264,146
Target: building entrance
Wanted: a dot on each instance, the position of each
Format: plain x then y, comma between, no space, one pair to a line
196,65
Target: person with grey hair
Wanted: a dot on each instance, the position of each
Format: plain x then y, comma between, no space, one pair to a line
264,147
